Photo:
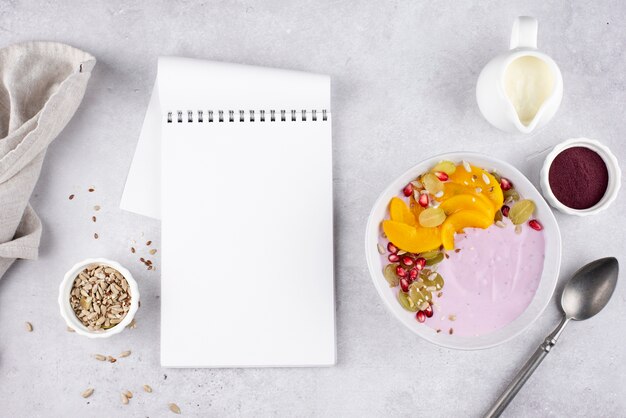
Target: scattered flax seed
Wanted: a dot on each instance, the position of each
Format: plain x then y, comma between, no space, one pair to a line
29,327
99,357
451,331
95,235
91,189
124,354
458,250
153,251
440,294
143,260
150,267
147,388
128,394
93,218
87,393
132,250
70,329
438,331
446,255
111,359
174,408
124,399
96,208
452,317
71,197
148,243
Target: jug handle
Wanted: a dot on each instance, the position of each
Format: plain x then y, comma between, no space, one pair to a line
524,33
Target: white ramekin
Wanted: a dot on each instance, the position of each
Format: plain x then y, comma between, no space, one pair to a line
64,299
615,176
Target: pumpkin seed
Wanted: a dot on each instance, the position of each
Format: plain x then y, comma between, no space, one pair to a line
428,255
390,275
511,195
435,260
432,217
416,295
521,211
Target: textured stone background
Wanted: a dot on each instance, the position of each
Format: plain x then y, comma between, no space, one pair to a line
403,89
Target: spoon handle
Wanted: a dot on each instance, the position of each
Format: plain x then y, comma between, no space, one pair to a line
522,376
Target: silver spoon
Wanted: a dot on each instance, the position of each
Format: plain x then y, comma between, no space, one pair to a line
587,292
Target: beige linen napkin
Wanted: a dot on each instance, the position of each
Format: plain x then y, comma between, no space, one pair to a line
41,86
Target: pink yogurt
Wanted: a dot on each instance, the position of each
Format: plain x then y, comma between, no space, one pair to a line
490,281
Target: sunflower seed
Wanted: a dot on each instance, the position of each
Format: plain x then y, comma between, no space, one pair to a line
124,399
128,394
174,408
87,393
124,354
69,329
486,178
99,357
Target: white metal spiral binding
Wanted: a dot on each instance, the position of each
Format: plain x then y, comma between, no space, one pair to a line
272,115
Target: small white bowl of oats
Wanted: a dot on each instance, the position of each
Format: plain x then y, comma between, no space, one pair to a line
98,298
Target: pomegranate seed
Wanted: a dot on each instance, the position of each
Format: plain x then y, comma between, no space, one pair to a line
420,263
428,311
408,190
400,271
534,224
394,258
441,175
423,201
420,316
505,184
392,248
505,210
413,274
407,261
404,285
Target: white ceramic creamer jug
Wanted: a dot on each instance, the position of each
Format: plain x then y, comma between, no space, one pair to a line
521,90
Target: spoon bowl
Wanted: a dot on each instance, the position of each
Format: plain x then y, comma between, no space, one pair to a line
590,289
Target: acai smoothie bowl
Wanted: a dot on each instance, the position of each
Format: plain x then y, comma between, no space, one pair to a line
463,250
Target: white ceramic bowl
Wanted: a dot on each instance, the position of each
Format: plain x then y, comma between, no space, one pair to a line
64,299
551,266
615,176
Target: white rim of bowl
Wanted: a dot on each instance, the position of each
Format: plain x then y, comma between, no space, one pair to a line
64,298
612,166
541,308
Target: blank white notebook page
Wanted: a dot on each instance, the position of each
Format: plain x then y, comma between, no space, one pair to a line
247,233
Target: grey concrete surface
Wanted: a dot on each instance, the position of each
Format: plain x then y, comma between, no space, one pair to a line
403,89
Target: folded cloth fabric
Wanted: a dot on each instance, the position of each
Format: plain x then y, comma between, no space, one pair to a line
41,86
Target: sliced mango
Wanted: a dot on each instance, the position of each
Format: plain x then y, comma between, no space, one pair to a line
458,221
476,179
410,238
400,212
469,201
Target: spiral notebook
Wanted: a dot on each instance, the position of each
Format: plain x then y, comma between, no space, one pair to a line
246,210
